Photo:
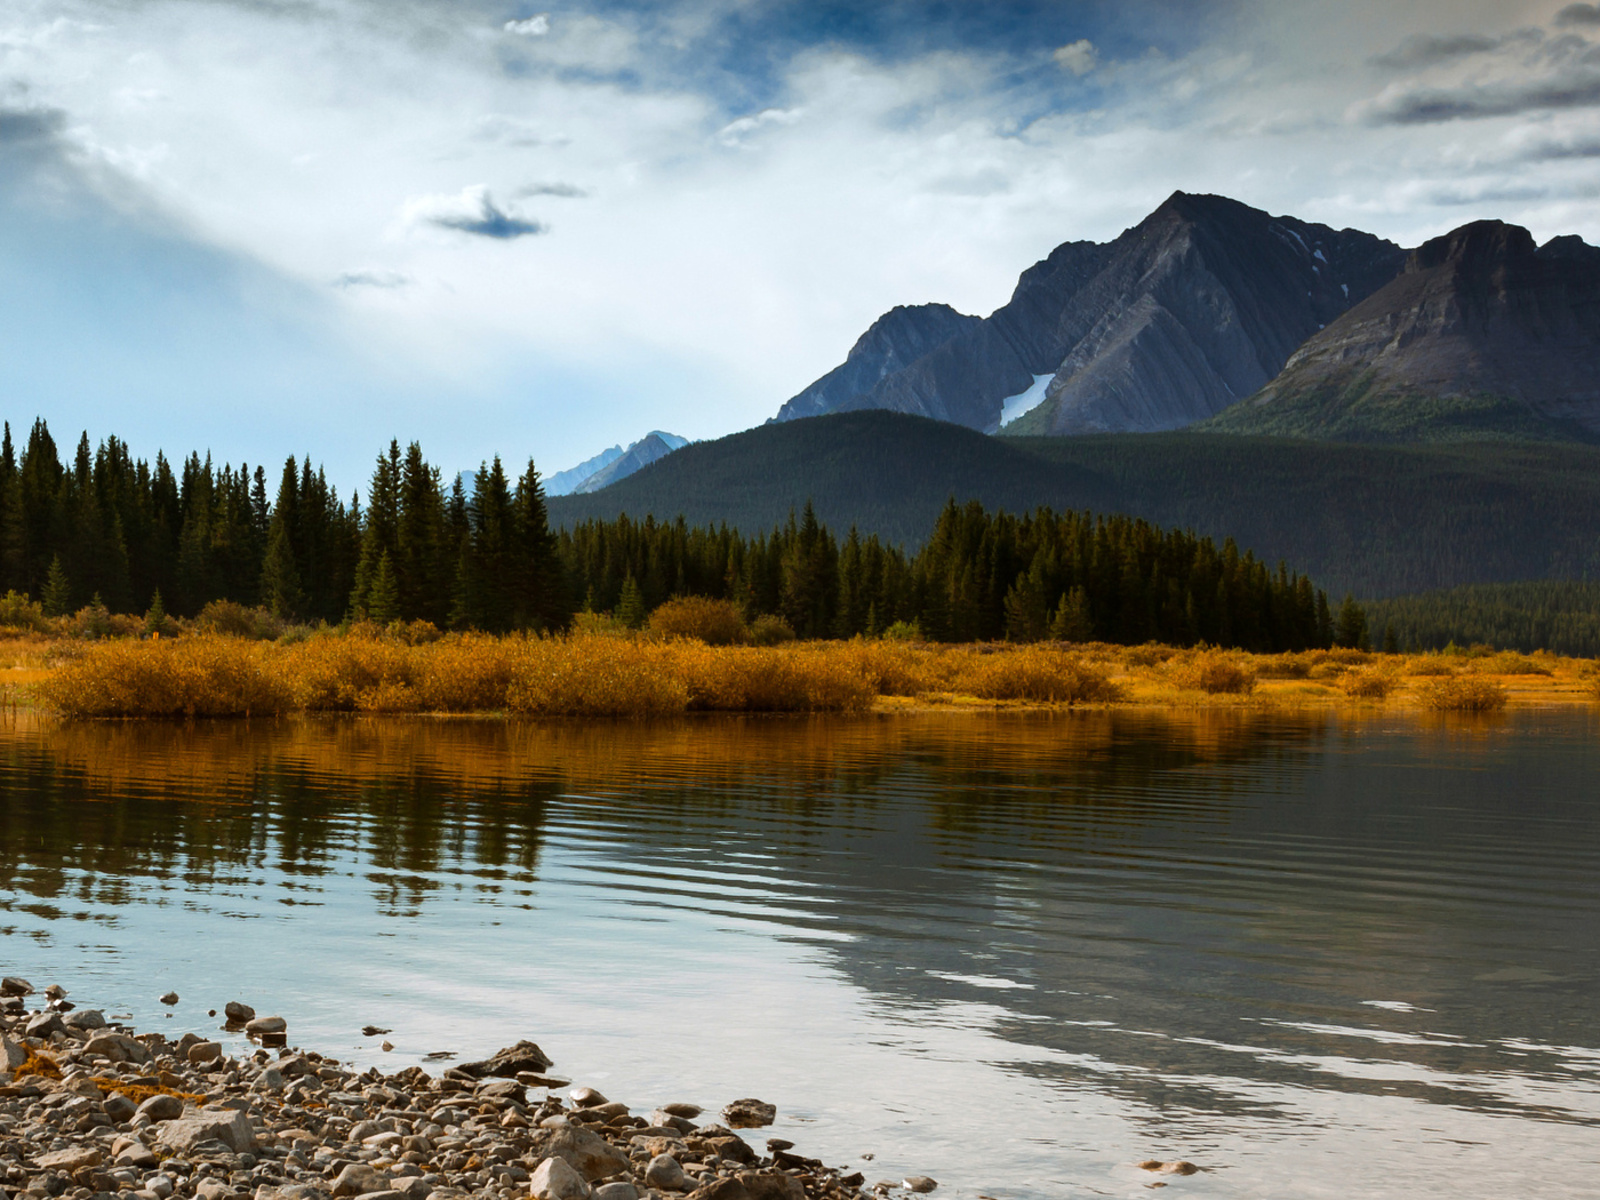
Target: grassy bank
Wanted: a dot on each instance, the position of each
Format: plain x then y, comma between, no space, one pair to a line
638,675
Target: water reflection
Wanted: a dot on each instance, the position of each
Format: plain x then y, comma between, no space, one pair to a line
1071,941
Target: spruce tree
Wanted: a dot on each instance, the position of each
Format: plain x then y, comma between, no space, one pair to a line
57,597
383,597
1073,622
1350,628
155,617
280,578
630,605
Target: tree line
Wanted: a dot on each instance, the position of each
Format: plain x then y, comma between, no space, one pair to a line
133,534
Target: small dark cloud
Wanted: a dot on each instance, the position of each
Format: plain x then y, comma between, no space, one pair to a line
1427,50
1429,106
473,210
1446,197
372,279
1560,151
25,126
565,191
1579,15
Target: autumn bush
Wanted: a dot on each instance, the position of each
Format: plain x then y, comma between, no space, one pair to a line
1462,693
1214,672
1374,683
595,677
1430,666
714,622
201,676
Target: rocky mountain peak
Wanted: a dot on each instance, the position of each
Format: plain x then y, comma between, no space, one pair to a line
1479,246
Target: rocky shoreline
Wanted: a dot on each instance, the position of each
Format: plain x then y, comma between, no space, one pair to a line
92,1110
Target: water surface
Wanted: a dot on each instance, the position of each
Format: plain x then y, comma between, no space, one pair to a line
1020,953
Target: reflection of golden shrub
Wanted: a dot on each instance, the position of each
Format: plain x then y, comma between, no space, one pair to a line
714,622
1462,693
1214,672
1374,684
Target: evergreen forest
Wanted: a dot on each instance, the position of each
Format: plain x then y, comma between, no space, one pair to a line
124,532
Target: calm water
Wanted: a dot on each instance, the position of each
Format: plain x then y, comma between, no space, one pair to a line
1316,957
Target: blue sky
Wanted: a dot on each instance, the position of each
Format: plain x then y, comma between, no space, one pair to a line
265,226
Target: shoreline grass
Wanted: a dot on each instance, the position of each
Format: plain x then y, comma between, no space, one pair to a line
615,674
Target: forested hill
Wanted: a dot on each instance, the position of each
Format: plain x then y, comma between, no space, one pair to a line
1376,520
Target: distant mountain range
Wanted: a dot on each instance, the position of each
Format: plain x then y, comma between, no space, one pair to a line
1211,311
611,465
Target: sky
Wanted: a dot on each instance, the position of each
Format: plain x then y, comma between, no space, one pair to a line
270,227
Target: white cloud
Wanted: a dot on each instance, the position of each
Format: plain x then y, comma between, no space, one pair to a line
1079,57
735,132
535,26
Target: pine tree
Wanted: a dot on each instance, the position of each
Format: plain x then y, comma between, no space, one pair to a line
1391,643
1350,628
630,606
1073,622
280,578
155,618
57,597
383,597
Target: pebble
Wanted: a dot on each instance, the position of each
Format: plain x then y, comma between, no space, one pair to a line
137,1115
750,1114
918,1183
170,998
1177,1167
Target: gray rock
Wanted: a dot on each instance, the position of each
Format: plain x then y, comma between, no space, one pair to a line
286,1191
170,998
359,1179
120,1109
771,1185
119,1048
204,1052
919,1183
86,1018
12,1055
228,1126
621,1190
270,1080
750,1114
587,1097
238,1013
524,1056
589,1154
261,1025
44,1024
13,985
137,1155
666,1173
555,1179
162,1108
687,1111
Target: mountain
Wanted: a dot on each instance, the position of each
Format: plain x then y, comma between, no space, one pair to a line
1482,335
1192,309
564,483
1375,519
648,449
895,341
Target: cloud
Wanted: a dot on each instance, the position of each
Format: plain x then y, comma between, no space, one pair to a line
1427,106
1427,50
24,126
535,26
735,132
1079,57
386,280
564,191
471,210
1579,15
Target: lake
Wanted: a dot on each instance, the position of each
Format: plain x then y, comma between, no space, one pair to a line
1315,955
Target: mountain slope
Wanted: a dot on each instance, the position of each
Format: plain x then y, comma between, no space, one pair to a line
1482,335
1196,306
564,483
651,448
895,341
1378,520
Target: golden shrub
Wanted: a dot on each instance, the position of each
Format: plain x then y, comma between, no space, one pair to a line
1373,684
1283,666
795,678
1463,693
207,675
595,677
1429,666
714,622
1034,672
1508,662
1215,673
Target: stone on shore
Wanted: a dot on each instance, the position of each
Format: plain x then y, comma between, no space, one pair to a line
667,1173
620,1190
555,1179
119,1048
524,1056
359,1179
587,1153
204,1052
162,1108
70,1160
750,1114
170,999
12,1055
261,1025
919,1183
15,985
771,1185
226,1125
237,1013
